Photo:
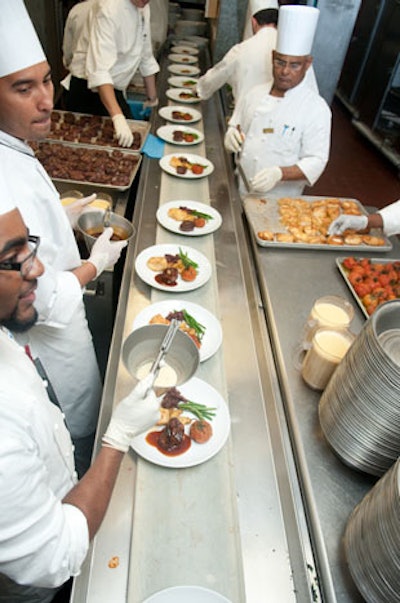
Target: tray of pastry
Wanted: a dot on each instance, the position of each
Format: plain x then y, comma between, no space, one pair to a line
303,222
98,167
96,130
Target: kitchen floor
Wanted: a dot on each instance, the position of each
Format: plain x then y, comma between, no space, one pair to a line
356,168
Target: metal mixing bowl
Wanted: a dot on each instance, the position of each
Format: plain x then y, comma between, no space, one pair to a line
92,221
141,347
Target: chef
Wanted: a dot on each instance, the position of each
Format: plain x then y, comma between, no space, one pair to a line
246,64
115,43
73,29
46,518
387,218
61,339
282,128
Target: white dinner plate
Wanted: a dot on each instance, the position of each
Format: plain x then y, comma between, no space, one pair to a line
173,225
147,275
167,133
180,95
180,81
201,392
185,59
187,594
178,69
208,166
212,337
185,49
166,113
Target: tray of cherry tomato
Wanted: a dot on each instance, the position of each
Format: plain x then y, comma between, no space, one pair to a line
371,281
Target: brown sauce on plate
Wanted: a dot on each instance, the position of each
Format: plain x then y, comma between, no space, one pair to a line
153,437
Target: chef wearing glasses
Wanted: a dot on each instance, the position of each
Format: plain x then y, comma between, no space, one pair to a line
282,128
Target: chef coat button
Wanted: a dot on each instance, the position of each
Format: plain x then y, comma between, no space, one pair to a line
73,448
75,475
56,426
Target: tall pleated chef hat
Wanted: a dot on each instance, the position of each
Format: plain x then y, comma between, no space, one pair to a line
296,29
20,46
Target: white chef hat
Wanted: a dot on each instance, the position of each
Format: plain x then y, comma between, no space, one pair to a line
296,29
256,5
20,46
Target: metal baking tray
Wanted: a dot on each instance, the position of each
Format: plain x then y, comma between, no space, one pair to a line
263,214
100,155
344,272
84,123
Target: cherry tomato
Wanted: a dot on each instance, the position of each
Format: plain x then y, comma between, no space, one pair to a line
197,169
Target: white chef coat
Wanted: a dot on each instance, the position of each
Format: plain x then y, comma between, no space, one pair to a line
391,218
292,130
74,26
61,339
245,65
115,44
42,542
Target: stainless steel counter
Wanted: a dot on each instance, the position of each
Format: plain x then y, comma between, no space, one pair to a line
290,281
236,523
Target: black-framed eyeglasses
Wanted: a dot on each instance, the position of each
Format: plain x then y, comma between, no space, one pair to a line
293,66
26,264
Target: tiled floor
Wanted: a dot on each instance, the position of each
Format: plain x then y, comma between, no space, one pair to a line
356,168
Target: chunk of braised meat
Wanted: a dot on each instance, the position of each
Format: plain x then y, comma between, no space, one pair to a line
171,436
172,398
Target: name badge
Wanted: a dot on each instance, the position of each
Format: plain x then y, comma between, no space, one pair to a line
268,130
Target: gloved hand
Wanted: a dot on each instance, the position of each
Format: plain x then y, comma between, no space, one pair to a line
149,103
266,179
347,222
122,130
106,252
233,139
133,415
74,210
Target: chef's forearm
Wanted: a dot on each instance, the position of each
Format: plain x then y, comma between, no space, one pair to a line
109,100
150,85
85,273
292,172
93,492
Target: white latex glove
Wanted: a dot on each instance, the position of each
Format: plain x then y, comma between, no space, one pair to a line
266,179
106,252
74,210
233,139
133,415
148,104
347,222
122,130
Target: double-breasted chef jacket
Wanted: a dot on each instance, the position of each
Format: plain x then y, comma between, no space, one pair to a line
292,130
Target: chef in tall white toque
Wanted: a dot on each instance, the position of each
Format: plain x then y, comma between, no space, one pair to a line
282,128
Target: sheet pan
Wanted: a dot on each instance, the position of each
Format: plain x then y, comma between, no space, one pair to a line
262,214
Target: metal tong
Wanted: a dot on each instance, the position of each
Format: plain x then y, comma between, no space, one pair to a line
107,218
165,345
239,166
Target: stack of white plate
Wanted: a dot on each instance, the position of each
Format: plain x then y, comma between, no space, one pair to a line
359,410
372,541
